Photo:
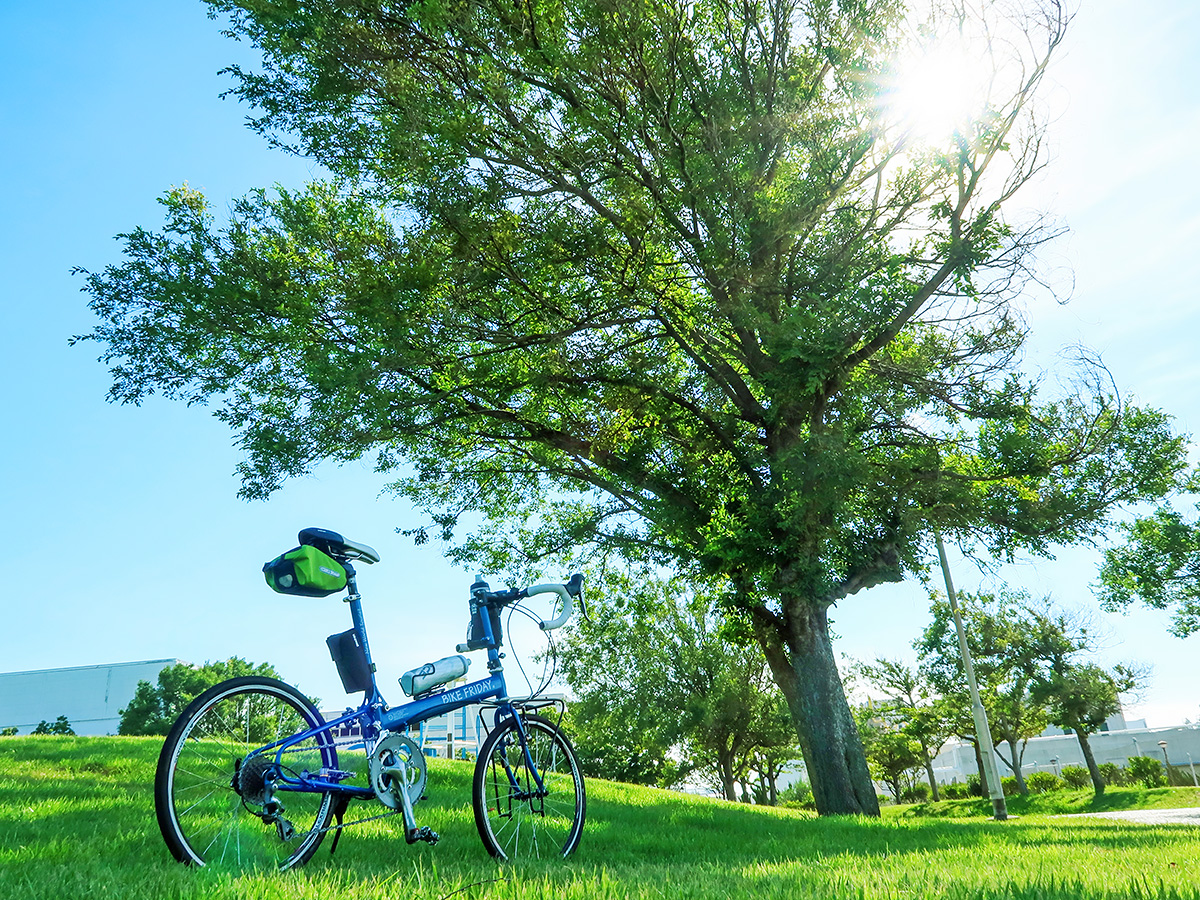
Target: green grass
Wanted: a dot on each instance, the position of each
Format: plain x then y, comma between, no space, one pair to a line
77,820
1057,803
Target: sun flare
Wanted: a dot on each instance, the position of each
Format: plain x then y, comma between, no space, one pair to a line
939,92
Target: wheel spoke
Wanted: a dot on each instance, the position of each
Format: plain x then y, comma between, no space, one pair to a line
210,815
513,821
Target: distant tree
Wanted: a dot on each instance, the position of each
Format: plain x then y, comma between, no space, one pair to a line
9,731
1077,695
892,754
626,742
154,709
60,726
775,746
1080,696
667,693
915,706
1003,649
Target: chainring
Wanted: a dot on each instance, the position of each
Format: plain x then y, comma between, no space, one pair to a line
393,749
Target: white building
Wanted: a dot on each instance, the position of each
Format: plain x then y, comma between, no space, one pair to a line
1052,750
91,697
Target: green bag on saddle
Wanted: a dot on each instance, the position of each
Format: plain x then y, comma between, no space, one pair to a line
305,571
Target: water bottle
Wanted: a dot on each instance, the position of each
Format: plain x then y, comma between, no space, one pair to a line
425,678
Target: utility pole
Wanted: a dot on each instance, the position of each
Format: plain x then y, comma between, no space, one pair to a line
983,733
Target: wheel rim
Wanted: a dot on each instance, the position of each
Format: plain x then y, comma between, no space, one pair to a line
216,824
522,824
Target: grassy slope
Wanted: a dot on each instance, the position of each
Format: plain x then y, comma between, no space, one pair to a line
77,820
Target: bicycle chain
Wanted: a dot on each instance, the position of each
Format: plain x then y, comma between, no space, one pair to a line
386,815
354,742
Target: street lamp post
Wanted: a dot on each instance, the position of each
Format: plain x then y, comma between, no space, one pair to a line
1054,762
983,733
1166,762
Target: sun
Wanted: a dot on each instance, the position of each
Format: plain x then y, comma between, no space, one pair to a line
938,92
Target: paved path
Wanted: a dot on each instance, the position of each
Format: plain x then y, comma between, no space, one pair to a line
1189,816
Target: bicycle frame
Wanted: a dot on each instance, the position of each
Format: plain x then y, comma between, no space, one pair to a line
375,718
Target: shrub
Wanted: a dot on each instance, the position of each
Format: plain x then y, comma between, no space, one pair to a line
973,787
954,791
1043,782
1112,774
60,726
1009,785
918,793
1076,776
797,795
1145,770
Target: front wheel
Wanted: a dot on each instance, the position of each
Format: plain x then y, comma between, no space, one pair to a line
524,812
220,801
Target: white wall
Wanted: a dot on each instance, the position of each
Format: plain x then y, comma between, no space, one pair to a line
91,697
1050,753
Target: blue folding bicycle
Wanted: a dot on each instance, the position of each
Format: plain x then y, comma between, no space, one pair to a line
250,775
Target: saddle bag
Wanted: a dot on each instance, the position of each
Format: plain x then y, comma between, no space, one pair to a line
306,572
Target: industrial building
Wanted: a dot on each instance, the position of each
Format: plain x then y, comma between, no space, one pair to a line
91,697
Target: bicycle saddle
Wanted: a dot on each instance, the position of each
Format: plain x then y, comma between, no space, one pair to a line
337,546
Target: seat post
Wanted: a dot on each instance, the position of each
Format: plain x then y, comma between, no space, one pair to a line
360,625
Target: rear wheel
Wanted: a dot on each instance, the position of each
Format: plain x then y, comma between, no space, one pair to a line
517,818
219,801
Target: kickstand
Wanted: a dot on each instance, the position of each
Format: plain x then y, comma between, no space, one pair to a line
339,811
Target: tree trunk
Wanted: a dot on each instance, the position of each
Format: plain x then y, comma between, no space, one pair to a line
806,671
984,787
728,782
1014,765
933,785
1090,759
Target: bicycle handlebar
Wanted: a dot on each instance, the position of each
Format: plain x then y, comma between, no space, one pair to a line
568,606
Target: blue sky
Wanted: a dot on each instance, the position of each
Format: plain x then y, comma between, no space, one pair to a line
123,537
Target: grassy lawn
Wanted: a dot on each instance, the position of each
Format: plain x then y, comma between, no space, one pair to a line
1058,803
77,820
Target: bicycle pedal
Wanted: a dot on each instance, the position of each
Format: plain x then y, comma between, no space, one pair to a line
424,833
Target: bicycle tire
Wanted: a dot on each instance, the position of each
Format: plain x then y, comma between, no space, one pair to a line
206,815
514,822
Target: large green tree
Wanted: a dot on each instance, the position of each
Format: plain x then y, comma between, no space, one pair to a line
674,275
1159,564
